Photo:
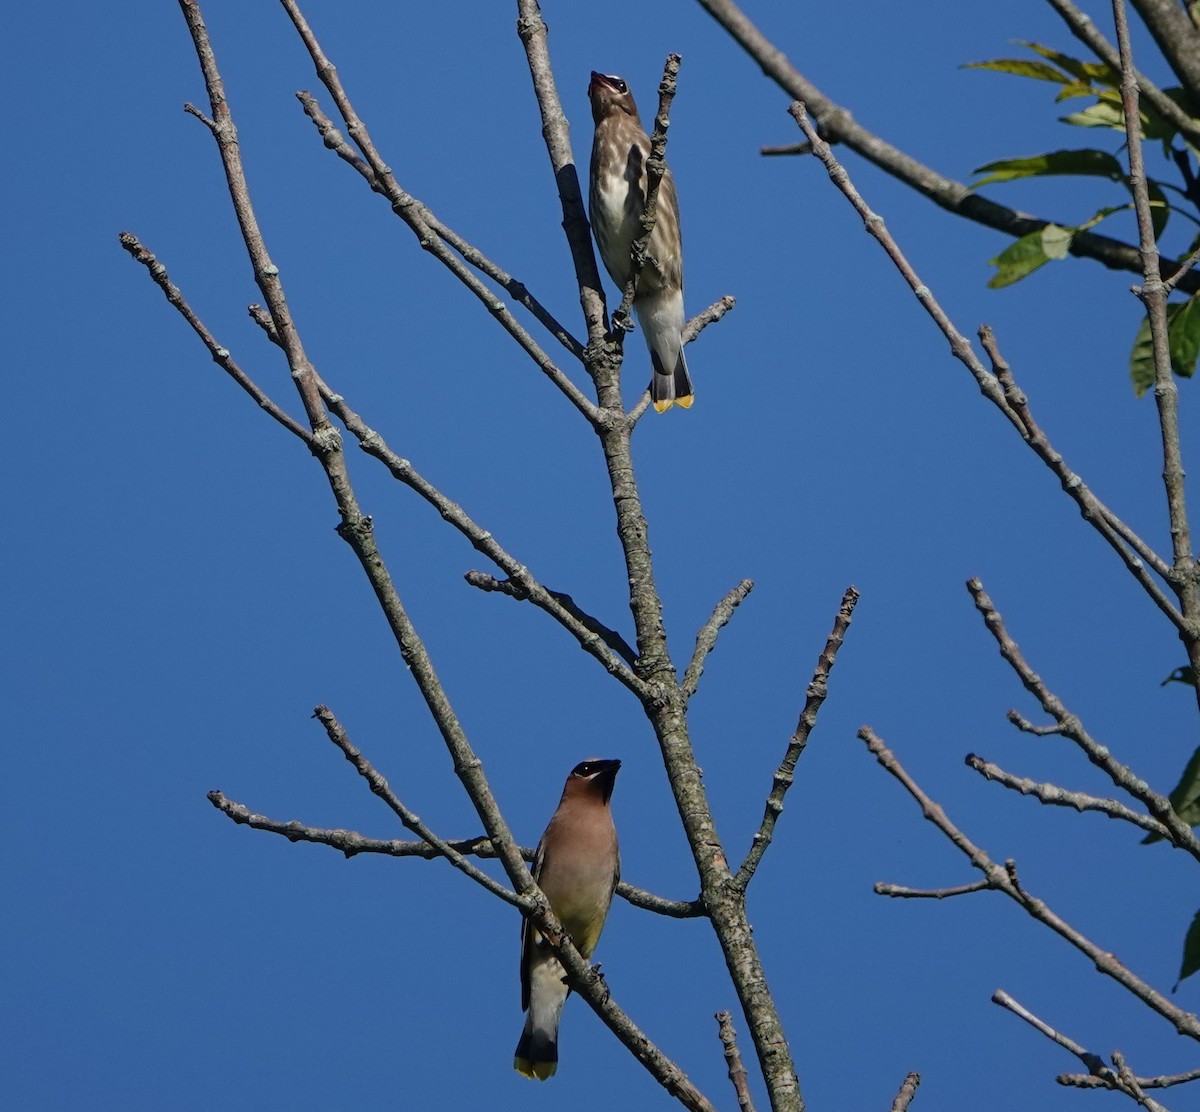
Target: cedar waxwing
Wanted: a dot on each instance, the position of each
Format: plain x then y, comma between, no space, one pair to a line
577,865
617,197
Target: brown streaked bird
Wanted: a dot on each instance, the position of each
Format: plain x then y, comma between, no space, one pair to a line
616,200
577,865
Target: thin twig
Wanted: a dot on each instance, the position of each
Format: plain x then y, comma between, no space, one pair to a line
1120,1080
901,891
219,353
351,843
908,1090
656,168
1053,795
379,785
1025,726
706,639
733,1059
1093,1062
1185,265
1129,1084
1166,1081
1003,878
785,774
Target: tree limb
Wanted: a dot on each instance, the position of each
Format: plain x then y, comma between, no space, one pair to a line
839,126
1003,878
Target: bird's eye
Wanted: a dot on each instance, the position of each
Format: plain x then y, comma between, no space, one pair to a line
622,87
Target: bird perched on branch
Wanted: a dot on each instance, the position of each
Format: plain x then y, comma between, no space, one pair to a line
617,198
577,865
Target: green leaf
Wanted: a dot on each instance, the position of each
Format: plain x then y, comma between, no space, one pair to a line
1084,161
1100,114
1102,214
1141,359
1021,258
1074,89
1022,67
1056,241
1184,341
1184,797
1191,952
1159,209
1184,334
1083,71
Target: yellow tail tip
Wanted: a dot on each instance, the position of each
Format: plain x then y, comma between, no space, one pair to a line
540,1070
684,403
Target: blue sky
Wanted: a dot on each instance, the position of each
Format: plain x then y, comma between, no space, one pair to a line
177,600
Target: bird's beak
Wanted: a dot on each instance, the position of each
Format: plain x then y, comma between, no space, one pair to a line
607,777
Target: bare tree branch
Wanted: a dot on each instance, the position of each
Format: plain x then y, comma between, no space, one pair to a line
471,254
1059,797
1004,879
418,218
818,688
1094,1063
219,353
1120,1080
1070,727
593,637
1129,1084
1111,527
351,843
837,125
998,387
411,821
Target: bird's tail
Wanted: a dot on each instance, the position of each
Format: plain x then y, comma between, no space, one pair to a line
537,1050
671,387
